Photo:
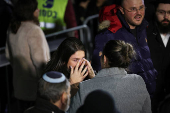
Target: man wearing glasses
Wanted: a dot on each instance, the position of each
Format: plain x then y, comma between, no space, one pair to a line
126,22
158,33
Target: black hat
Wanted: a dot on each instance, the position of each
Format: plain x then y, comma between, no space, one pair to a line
54,77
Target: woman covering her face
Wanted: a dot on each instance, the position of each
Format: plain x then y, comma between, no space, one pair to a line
128,90
69,58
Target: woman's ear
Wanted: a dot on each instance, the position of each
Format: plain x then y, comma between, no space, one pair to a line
105,60
36,13
121,9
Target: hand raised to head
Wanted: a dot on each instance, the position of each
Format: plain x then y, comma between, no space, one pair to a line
78,73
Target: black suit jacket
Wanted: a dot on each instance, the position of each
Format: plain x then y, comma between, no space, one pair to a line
160,56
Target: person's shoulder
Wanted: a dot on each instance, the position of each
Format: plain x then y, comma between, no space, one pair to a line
136,81
135,77
103,32
103,36
30,26
88,82
34,32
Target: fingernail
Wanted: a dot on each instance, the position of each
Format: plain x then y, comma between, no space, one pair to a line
70,66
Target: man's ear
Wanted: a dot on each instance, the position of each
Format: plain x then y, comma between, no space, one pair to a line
63,98
121,9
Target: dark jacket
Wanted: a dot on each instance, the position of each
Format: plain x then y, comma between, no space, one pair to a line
119,30
161,60
159,53
43,106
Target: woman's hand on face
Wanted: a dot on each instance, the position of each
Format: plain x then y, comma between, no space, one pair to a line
91,73
78,73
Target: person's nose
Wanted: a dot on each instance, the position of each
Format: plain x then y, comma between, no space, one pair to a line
81,61
138,11
166,15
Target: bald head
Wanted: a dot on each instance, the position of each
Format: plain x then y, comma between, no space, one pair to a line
124,2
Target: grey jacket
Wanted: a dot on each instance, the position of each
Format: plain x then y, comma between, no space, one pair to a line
128,90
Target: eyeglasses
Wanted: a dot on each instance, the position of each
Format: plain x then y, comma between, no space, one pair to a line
134,9
162,12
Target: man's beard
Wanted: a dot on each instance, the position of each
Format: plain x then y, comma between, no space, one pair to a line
164,28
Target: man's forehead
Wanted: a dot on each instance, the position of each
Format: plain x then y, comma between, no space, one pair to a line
133,2
163,1
163,6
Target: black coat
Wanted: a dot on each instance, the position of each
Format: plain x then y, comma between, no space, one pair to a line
160,56
43,106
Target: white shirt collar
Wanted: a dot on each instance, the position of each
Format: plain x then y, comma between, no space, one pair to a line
165,38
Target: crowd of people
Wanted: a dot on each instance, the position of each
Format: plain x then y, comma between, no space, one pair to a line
129,69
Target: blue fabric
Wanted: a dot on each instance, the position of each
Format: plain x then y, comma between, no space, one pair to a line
142,64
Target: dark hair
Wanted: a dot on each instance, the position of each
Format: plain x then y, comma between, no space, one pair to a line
98,101
61,56
118,53
157,2
52,91
23,11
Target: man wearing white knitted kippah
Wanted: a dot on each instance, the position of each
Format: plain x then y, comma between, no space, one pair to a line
53,94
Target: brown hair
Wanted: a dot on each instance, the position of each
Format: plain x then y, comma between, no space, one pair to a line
118,53
61,56
23,11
